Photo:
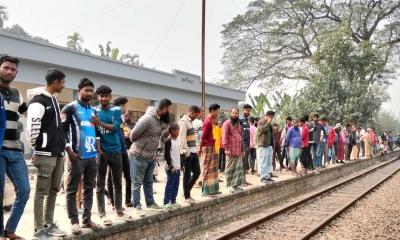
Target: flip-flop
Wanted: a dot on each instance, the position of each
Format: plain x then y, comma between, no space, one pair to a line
125,217
92,225
106,221
76,229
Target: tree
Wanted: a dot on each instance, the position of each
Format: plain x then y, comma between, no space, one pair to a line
275,40
20,32
74,41
3,15
387,121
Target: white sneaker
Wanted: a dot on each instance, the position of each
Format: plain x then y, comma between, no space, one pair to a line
231,190
140,212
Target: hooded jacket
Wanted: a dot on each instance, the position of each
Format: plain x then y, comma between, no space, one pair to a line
44,129
146,134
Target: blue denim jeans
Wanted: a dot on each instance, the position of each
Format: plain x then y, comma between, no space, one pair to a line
13,163
265,161
319,152
142,174
172,186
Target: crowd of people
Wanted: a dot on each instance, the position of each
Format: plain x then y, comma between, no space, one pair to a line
100,144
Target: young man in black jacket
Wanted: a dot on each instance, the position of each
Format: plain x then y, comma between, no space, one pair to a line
47,138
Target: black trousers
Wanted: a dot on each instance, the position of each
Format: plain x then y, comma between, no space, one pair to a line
222,160
85,169
277,154
348,152
305,158
127,176
191,172
245,158
252,159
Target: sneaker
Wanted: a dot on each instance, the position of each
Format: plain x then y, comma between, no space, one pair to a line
41,234
175,205
54,231
190,200
155,207
264,180
231,190
139,211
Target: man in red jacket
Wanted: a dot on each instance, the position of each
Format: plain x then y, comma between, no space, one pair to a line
305,156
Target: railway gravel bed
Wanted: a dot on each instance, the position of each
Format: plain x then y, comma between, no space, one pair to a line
280,227
377,216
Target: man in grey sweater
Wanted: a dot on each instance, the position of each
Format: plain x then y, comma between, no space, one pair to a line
145,137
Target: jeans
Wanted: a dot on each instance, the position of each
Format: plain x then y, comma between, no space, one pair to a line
191,173
114,162
172,186
319,152
265,161
48,183
85,169
13,163
127,175
142,174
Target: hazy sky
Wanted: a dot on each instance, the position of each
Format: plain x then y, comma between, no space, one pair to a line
165,33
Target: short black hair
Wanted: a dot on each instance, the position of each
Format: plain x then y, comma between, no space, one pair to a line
289,118
306,117
316,115
247,106
324,119
275,125
84,82
194,109
302,120
173,127
213,107
10,59
53,75
103,89
270,113
252,119
120,101
165,102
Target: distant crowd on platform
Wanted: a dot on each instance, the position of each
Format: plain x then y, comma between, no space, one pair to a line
87,148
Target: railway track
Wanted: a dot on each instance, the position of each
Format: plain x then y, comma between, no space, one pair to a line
306,217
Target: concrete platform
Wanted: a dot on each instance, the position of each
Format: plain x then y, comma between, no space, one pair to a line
179,223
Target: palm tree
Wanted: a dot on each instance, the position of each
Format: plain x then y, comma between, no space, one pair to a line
74,41
3,15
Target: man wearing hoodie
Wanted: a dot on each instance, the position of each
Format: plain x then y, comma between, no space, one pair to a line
145,137
47,138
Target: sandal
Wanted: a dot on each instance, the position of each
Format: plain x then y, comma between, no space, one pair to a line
76,229
106,221
12,236
125,217
92,225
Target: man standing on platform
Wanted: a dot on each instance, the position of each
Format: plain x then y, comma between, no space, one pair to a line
188,151
265,142
12,159
46,135
245,123
233,143
209,167
145,137
108,121
83,146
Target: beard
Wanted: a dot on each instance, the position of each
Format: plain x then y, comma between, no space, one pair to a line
165,118
235,120
87,98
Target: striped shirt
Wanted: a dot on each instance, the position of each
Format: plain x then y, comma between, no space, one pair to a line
187,136
14,105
